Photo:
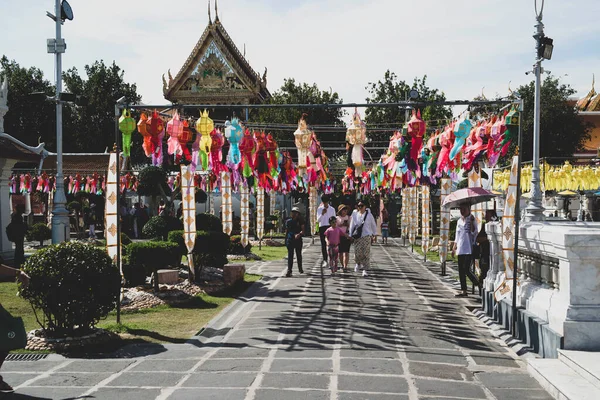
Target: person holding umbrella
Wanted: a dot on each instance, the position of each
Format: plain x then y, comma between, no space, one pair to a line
464,239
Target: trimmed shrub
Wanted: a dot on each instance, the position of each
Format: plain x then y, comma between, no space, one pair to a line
236,247
125,240
208,222
159,227
150,181
210,249
39,232
177,237
134,275
74,284
153,256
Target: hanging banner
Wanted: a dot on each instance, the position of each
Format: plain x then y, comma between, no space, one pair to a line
312,207
188,197
416,203
404,207
226,207
508,233
245,214
272,205
425,218
211,201
446,186
412,214
260,212
111,217
474,180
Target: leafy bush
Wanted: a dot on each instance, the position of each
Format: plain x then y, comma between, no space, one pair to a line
210,249
74,206
177,237
236,247
159,227
74,284
39,232
151,180
153,256
208,222
134,275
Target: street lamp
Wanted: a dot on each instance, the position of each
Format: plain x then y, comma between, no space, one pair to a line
544,48
57,46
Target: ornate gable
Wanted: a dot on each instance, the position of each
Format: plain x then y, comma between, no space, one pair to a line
216,73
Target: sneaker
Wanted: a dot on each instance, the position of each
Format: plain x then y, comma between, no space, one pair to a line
325,263
364,272
356,268
289,274
5,387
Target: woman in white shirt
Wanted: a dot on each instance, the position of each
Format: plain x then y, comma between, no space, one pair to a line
362,228
465,236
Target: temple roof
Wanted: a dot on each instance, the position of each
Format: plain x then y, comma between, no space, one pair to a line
84,163
15,149
591,102
216,72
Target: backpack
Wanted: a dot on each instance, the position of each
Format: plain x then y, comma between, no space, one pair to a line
10,232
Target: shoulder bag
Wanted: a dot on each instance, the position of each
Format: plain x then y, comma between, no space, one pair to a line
12,332
358,230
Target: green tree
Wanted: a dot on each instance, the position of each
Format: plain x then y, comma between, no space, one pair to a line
93,126
393,90
292,92
562,131
28,119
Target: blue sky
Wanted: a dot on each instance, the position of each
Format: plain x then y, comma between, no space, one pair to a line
462,45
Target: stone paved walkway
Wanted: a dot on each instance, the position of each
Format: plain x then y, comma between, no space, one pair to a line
397,334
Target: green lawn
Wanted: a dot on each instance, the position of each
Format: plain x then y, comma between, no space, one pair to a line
268,253
163,324
433,255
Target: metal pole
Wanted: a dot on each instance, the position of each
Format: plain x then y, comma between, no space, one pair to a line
535,210
118,171
517,223
60,215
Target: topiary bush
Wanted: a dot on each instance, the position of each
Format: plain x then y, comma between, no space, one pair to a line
125,240
153,256
74,285
134,275
39,232
236,247
208,222
159,227
210,250
177,237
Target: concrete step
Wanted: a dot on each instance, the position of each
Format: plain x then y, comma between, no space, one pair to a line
561,381
585,363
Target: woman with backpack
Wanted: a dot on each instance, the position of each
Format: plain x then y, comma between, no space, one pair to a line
362,228
16,231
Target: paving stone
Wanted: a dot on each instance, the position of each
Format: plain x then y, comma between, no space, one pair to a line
440,371
258,332
304,353
30,366
15,379
521,394
124,394
386,384
247,364
301,365
185,353
42,393
508,381
353,353
439,356
496,361
72,379
368,366
212,394
164,366
146,379
456,389
370,396
220,379
96,366
277,394
250,352
295,381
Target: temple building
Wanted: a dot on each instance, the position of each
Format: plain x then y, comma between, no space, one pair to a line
588,108
216,72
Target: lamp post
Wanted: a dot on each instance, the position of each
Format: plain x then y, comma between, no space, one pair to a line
544,47
57,46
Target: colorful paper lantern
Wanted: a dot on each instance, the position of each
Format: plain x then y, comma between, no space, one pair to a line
126,126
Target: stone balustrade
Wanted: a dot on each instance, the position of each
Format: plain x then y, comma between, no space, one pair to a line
540,268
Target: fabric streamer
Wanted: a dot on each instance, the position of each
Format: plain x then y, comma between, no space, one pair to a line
244,215
226,206
188,197
260,213
446,188
425,218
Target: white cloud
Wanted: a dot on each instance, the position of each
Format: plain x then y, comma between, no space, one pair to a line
462,45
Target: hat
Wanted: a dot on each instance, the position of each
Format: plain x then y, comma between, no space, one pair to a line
295,209
341,207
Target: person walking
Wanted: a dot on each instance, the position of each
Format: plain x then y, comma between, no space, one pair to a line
385,232
464,239
362,228
324,213
343,222
16,231
22,277
333,236
294,230
91,220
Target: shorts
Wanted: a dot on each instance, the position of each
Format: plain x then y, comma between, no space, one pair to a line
344,246
384,233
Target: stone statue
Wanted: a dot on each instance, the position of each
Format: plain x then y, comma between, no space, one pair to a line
165,88
264,77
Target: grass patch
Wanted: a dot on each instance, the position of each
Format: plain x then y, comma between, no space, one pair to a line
434,256
268,253
162,324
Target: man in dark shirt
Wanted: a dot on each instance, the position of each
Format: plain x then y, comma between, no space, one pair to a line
294,229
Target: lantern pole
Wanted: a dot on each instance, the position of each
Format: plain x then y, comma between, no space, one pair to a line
517,220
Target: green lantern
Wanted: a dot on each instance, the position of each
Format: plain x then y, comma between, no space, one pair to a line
512,118
126,126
